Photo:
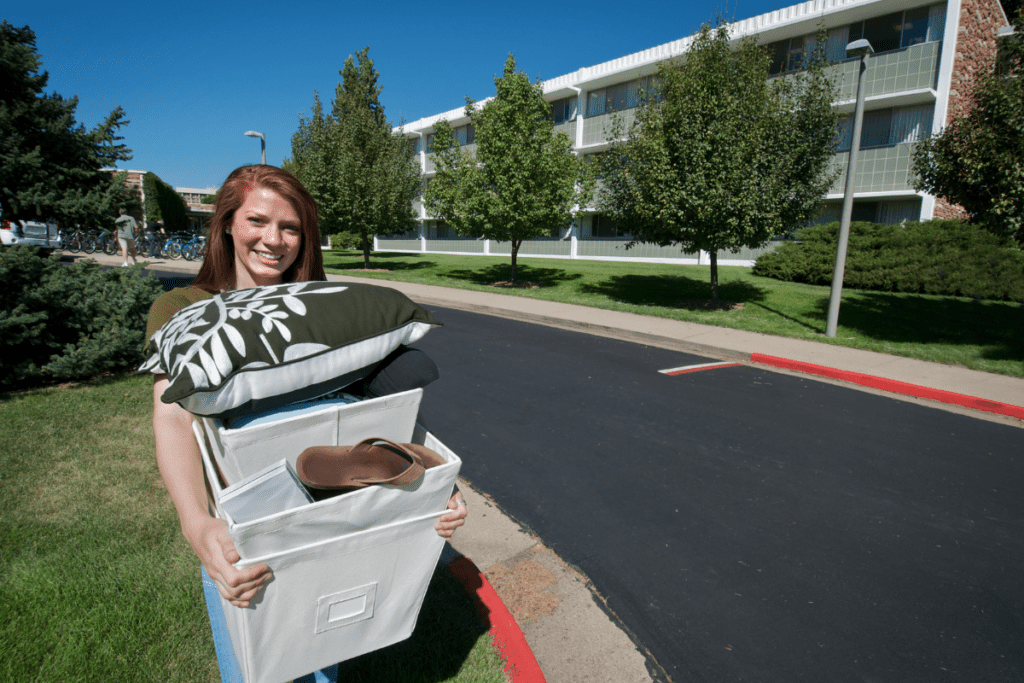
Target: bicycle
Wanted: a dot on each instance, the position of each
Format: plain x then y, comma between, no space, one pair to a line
75,241
90,243
151,245
195,248
173,246
108,242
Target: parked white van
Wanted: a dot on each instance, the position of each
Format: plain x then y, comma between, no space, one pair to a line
43,235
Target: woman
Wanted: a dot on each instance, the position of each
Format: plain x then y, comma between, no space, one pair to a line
263,232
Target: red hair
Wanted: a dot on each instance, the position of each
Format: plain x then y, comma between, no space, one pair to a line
218,271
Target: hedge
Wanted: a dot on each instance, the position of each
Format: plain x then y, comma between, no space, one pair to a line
952,258
62,322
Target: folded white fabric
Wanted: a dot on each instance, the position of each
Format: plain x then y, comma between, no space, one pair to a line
274,489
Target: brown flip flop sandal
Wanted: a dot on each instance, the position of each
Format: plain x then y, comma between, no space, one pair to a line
371,461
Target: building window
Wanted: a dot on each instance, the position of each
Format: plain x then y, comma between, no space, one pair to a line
790,54
621,96
889,32
563,110
915,27
442,231
604,226
901,29
465,135
884,127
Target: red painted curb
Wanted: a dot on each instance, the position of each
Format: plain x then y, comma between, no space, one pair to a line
520,664
893,386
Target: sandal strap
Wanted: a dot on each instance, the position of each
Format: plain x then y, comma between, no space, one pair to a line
408,476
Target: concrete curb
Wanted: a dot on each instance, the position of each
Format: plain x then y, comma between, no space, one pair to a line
520,663
892,386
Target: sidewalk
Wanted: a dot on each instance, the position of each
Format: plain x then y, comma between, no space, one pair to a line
571,636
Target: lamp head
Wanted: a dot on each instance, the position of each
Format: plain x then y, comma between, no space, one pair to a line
253,134
858,48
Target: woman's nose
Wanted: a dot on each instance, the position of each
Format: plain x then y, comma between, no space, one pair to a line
272,235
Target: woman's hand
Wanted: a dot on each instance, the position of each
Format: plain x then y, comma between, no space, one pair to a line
451,521
181,467
213,545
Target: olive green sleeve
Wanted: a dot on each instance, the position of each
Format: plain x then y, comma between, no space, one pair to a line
169,303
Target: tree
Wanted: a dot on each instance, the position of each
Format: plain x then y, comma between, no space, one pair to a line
50,165
719,157
363,177
523,180
163,203
976,160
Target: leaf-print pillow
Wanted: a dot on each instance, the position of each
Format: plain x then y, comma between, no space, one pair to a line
264,347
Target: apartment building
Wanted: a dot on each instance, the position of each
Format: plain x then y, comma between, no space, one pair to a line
926,58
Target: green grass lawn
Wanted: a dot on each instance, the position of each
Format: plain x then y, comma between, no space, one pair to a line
981,335
96,581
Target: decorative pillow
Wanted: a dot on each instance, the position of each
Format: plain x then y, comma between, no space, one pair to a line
264,347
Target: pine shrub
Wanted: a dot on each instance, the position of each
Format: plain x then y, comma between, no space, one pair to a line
951,258
62,322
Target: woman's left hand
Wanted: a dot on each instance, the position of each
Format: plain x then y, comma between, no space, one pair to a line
451,521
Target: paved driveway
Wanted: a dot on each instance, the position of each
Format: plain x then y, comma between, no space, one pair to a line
747,525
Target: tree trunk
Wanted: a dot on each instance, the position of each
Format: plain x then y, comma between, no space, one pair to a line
515,251
366,252
714,275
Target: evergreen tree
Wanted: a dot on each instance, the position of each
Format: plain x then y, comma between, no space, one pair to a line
976,160
523,181
50,165
721,158
363,177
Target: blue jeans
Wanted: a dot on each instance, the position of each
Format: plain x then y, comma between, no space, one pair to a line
230,672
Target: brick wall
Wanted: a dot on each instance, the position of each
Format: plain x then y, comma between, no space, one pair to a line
975,52
975,56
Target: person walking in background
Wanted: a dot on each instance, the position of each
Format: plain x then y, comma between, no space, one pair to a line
153,226
126,229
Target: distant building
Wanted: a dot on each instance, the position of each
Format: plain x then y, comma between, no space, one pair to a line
198,214
926,58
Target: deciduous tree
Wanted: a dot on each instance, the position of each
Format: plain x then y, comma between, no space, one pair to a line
976,161
163,203
50,165
523,180
363,177
719,157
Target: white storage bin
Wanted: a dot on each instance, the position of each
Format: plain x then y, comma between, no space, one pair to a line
240,453
350,572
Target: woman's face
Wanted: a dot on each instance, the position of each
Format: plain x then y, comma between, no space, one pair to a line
267,235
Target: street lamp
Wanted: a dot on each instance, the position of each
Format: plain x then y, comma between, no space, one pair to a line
263,143
858,48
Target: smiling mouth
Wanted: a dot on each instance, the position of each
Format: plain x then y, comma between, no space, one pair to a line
263,256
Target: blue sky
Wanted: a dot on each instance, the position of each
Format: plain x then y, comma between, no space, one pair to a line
193,77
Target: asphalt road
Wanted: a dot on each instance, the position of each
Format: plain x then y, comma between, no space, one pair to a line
742,524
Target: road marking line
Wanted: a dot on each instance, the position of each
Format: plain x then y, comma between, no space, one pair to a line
697,368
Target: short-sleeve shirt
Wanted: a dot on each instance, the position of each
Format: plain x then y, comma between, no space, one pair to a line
169,303
126,227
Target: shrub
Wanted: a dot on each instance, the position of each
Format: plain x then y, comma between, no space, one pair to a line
952,258
346,241
62,322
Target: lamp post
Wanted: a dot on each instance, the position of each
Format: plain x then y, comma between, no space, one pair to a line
263,143
858,48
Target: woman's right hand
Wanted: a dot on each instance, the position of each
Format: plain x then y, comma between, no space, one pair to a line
215,549
181,467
